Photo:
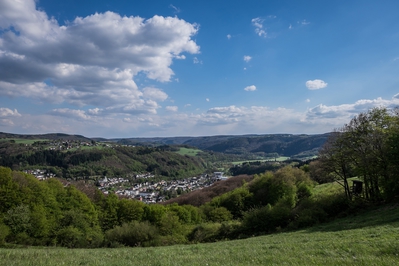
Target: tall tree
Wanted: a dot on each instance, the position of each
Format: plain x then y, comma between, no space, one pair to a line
368,145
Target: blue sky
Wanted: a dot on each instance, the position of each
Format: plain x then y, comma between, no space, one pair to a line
117,68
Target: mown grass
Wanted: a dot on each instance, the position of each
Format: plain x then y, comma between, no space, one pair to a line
368,238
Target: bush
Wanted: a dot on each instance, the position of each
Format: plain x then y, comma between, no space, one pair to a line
206,232
267,219
4,231
229,230
71,237
132,234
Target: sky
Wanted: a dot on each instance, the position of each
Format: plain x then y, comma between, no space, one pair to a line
160,68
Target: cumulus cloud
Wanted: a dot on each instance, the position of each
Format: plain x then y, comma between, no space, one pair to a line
250,88
316,84
346,111
154,94
247,58
6,112
89,61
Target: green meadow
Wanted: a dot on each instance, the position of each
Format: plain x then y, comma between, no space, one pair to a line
278,159
188,151
367,238
24,141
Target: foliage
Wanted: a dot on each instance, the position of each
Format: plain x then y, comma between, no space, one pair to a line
133,234
367,147
367,238
115,161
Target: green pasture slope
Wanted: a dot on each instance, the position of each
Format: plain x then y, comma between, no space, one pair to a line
24,141
188,151
369,238
278,159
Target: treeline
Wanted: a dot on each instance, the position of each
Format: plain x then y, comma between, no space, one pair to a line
116,161
252,168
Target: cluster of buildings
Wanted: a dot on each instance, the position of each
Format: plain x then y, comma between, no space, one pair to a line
148,192
152,192
71,144
40,174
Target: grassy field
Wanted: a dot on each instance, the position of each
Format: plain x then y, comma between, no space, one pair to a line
369,238
186,151
24,141
278,159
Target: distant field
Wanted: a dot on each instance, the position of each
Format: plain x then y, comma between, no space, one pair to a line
187,151
369,238
278,159
25,141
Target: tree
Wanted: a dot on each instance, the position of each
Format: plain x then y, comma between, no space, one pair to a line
335,160
367,145
130,210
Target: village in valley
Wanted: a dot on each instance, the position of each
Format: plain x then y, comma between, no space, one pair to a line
146,191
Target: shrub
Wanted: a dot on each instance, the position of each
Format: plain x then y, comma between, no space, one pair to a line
4,231
229,230
132,234
206,232
71,237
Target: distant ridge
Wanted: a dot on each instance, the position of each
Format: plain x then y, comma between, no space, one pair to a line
297,145
51,136
283,144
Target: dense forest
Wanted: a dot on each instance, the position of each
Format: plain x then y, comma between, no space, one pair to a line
115,161
251,146
364,151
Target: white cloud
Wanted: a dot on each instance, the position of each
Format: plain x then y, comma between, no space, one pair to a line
258,24
154,94
171,108
228,36
247,58
71,113
89,61
308,100
6,112
216,120
250,88
207,99
346,111
316,84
